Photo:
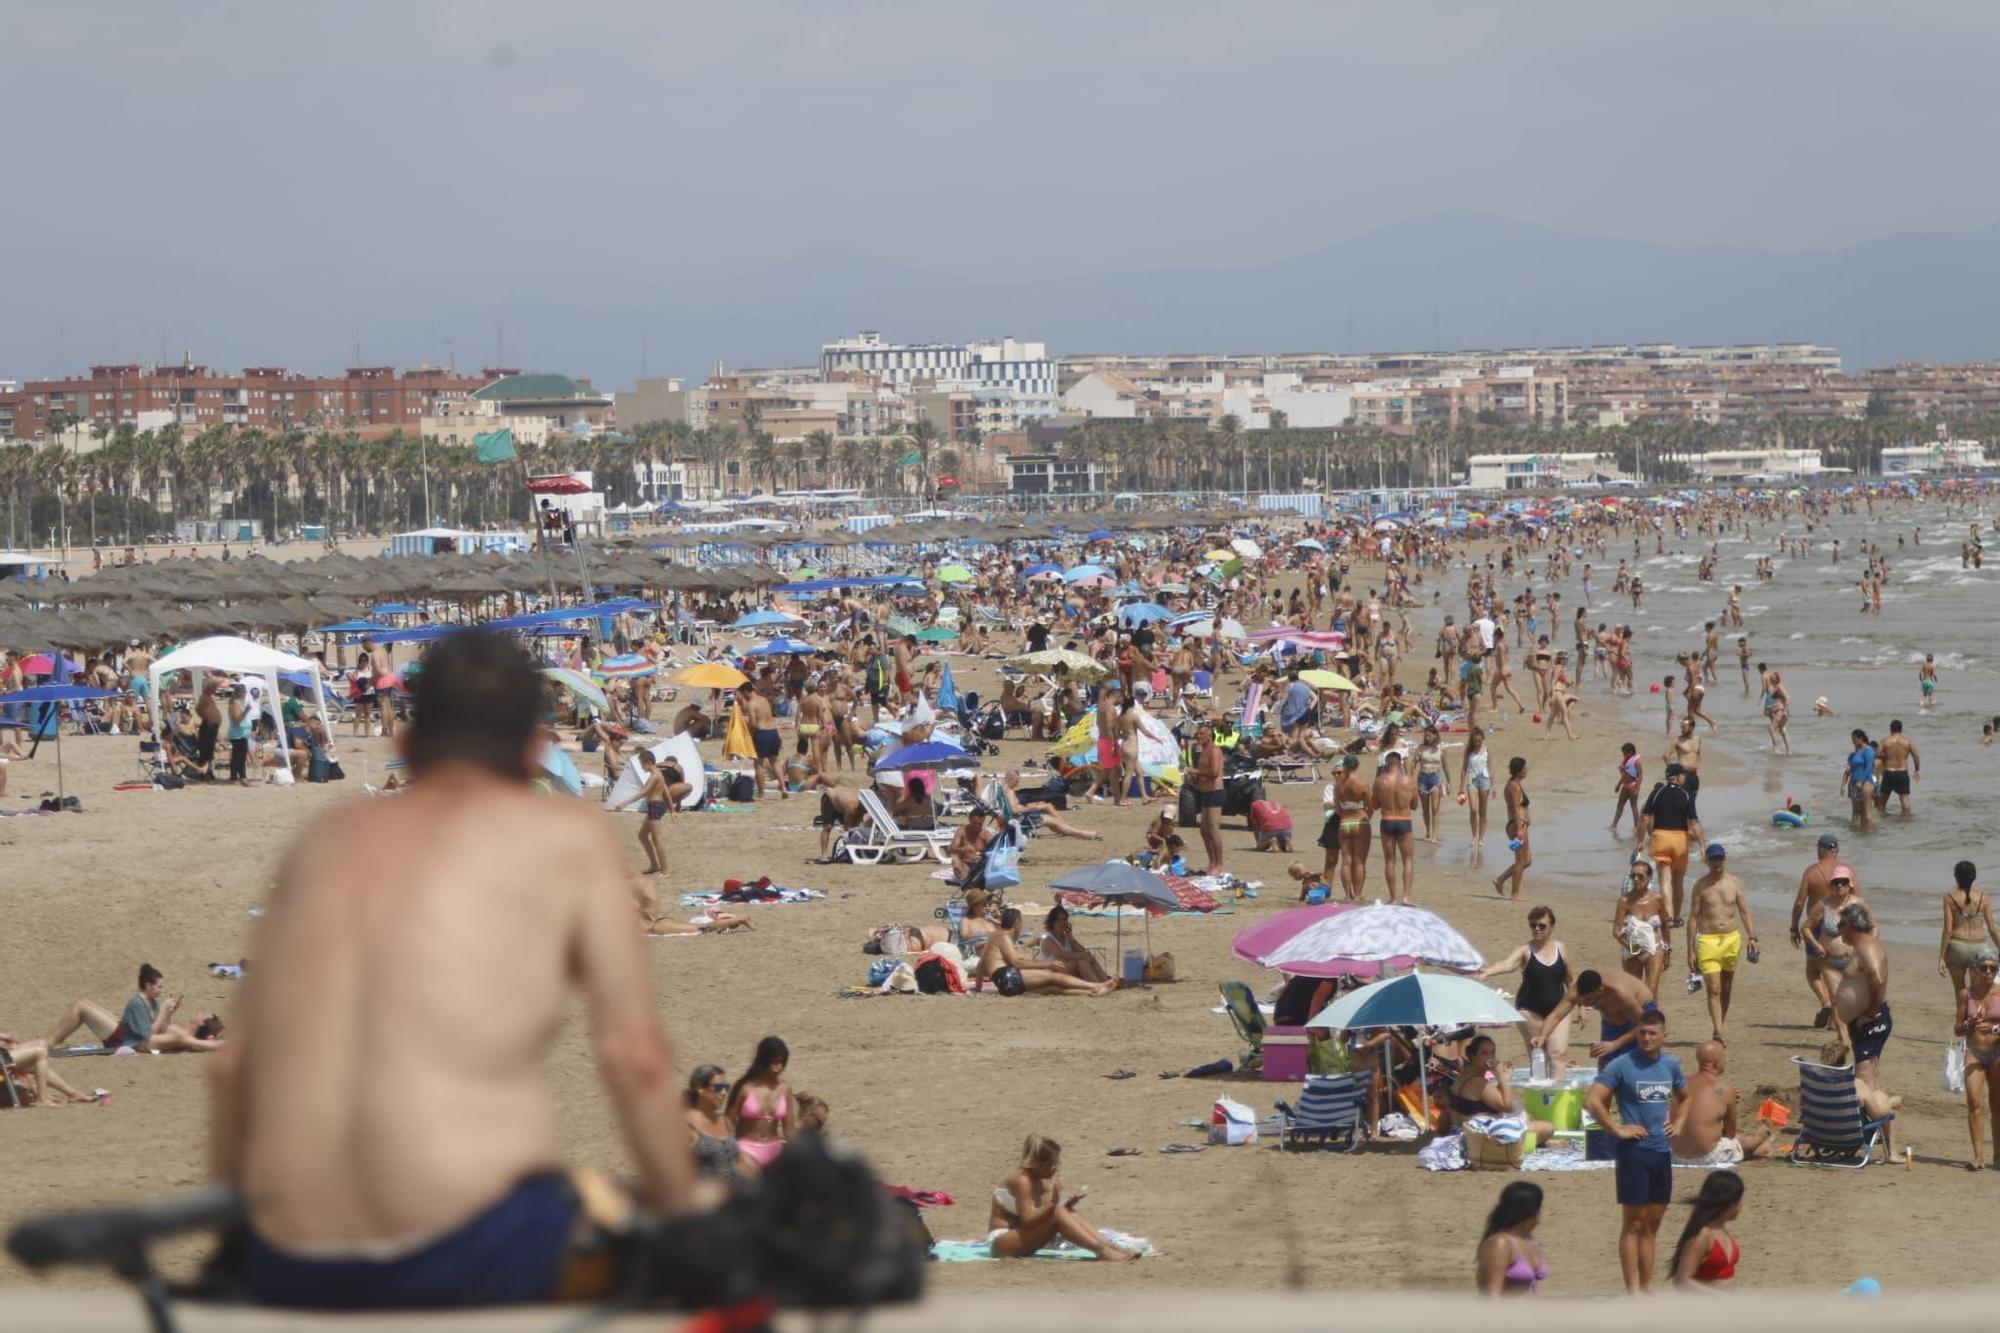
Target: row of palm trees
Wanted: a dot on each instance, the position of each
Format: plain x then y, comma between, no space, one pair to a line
135,485
1195,455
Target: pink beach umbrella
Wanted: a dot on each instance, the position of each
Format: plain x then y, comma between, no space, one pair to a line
1254,943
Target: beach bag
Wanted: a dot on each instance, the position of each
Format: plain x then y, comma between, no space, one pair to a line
1003,863
1484,1153
881,671
1953,1077
743,789
931,978
1232,1123
880,970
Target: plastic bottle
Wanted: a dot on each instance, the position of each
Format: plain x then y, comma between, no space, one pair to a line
1538,1066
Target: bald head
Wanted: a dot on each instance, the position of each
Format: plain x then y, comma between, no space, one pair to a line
1710,1056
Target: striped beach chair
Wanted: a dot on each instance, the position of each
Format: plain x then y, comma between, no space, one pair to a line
1332,1107
1833,1129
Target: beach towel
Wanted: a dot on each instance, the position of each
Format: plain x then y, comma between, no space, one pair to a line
752,895
976,1251
736,742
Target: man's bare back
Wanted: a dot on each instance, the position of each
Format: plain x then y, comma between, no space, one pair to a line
412,970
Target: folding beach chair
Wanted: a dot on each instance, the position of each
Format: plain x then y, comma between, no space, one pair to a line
1332,1107
884,839
1833,1129
7,1080
1247,1018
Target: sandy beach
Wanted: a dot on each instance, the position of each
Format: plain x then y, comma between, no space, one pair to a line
940,1091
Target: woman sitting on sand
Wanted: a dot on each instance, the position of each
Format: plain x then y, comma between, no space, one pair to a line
1481,1088
717,1155
1031,1208
762,1105
1058,945
1002,964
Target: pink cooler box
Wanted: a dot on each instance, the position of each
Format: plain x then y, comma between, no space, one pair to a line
1285,1055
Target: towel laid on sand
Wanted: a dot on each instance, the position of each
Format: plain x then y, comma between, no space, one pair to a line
976,1251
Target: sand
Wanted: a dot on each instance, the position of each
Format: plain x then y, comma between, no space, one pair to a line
940,1091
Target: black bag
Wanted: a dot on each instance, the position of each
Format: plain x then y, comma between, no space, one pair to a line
743,789
169,781
1189,813
931,978
1006,980
993,726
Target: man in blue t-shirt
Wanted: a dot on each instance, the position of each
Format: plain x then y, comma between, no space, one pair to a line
1651,1095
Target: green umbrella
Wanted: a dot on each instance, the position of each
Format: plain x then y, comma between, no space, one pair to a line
902,625
937,634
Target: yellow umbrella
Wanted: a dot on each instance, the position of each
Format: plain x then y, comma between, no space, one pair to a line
1222,556
1328,680
712,676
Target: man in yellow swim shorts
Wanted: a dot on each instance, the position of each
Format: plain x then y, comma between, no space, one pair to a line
1719,924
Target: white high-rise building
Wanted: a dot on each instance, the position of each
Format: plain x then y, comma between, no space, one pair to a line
1024,369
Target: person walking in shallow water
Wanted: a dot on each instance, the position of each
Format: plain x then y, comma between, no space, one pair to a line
1518,819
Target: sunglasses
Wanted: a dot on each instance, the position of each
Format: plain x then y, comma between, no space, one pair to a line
718,1087
1986,967
1538,925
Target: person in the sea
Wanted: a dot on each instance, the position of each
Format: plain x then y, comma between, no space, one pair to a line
448,1191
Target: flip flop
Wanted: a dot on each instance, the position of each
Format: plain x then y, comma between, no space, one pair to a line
1185,1147
1124,1152
1121,1073
1168,1074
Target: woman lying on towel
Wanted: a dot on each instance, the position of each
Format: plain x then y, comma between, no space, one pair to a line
711,922
1012,973
1031,1208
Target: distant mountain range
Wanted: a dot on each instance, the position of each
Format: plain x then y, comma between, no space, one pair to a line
1451,280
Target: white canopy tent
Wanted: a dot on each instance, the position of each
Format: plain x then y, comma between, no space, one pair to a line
681,748
239,657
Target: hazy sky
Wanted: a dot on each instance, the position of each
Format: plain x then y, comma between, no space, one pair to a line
994,140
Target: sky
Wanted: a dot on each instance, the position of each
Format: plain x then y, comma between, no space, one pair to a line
993,141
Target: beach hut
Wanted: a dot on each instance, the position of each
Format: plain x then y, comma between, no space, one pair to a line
241,657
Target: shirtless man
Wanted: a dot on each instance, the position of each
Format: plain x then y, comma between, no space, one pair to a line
968,845
1720,933
1208,792
470,906
1110,755
1002,963
905,654
1862,999
208,712
764,736
1711,1134
1900,766
816,726
1395,796
1619,999
1685,750
1129,715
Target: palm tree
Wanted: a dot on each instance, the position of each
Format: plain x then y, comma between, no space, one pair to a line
923,438
763,458
795,454
1229,438
820,442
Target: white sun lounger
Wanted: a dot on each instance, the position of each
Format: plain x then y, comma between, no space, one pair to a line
889,840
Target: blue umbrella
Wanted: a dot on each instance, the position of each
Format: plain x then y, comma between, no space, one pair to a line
781,644
353,627
1120,882
50,696
936,756
1082,572
561,771
1142,613
397,609
1101,535
948,691
758,619
1042,567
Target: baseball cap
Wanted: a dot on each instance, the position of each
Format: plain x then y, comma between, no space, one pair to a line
1715,852
1827,842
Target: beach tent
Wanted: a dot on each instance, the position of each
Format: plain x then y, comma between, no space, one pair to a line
226,652
632,780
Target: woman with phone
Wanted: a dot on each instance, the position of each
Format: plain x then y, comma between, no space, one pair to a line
1031,1209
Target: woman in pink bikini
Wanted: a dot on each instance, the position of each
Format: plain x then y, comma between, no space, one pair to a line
762,1104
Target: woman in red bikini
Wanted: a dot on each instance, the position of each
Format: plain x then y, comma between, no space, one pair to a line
1707,1255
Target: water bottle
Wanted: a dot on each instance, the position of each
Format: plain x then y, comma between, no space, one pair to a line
1513,844
1538,1066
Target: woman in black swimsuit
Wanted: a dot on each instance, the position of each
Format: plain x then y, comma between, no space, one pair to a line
1544,969
1516,796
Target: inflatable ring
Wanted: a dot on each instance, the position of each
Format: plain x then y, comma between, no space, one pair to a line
1788,818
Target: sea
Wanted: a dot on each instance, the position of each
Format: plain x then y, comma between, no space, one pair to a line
1807,623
